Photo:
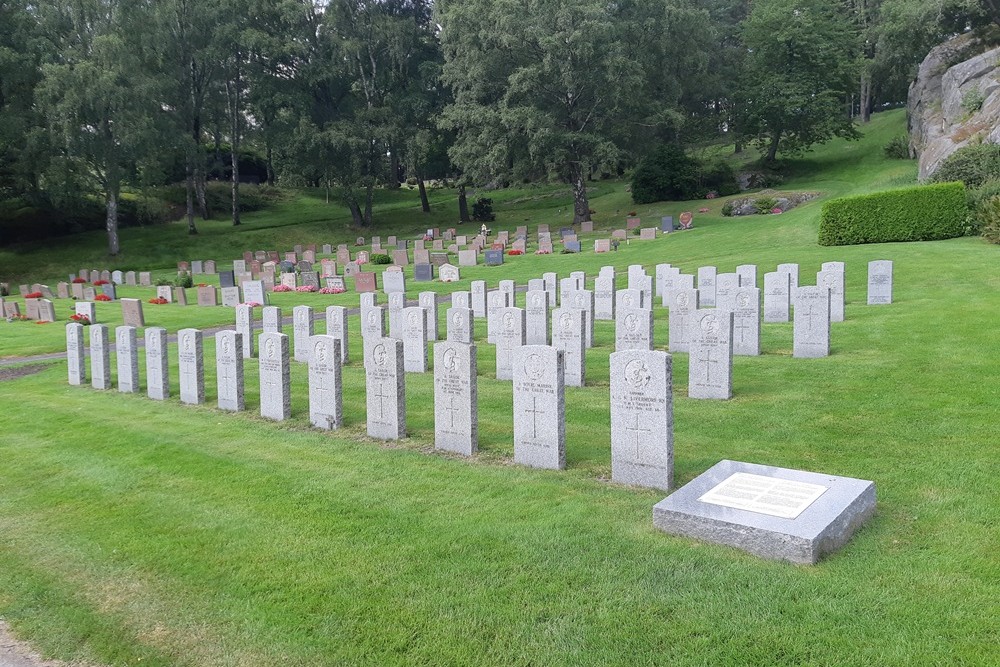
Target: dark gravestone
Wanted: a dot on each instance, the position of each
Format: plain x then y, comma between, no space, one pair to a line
423,272
667,224
227,279
572,246
365,282
494,257
110,290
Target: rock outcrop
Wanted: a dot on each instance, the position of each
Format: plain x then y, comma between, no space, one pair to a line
954,101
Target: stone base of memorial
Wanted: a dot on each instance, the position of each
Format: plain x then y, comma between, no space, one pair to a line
770,512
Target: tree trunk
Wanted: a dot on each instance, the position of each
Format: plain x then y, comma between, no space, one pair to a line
425,205
393,169
772,149
865,96
270,164
236,187
199,188
581,205
189,186
111,204
463,205
328,191
356,216
369,200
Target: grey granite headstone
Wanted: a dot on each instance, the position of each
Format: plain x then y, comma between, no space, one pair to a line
726,285
880,282
76,354
414,334
566,287
461,299
456,404
424,271
229,370
271,319
117,277
509,287
246,326
130,280
660,275
164,292
467,257
460,325
710,364
551,286
495,302
157,364
100,357
46,311
583,300
832,266
510,335
536,318
706,286
393,282
385,384
747,274
372,329
127,360
230,296
642,419
539,406
303,329
145,278
604,298
478,290
446,272
336,328
428,301
746,322
811,327
634,329
568,327
253,292
86,309
208,296
191,366
397,302
110,290
777,296
682,304
275,377
793,275
325,383
834,281
629,298
774,513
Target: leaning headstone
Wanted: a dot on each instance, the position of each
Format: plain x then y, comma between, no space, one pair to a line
336,328
536,318
246,327
774,513
642,419
634,329
414,335
880,282
539,407
229,370
710,364
777,296
302,331
75,354
271,319
46,311
325,383
568,336
86,309
157,364
132,313
478,290
460,325
385,388
100,357
811,327
834,281
509,336
746,322
127,358
180,296
706,286
428,301
191,366
275,377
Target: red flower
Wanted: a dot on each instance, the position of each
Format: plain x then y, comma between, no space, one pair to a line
100,282
33,295
515,252
102,297
80,281
158,300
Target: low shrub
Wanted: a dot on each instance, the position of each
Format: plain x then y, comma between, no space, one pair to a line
765,205
482,210
989,217
919,213
898,148
378,258
183,280
973,165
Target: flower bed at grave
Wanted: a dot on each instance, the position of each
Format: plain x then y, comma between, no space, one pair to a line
332,290
158,300
42,322
79,281
102,297
252,304
543,252
305,288
18,318
281,288
80,319
100,282
202,285
515,252
33,295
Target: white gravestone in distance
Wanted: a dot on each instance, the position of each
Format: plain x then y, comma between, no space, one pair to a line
777,296
303,330
127,356
634,329
460,325
336,326
75,354
414,330
811,327
157,364
275,377
229,371
191,366
746,322
682,304
880,282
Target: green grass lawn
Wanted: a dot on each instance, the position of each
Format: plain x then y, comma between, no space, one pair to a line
139,532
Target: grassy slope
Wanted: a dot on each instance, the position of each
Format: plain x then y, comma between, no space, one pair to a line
134,530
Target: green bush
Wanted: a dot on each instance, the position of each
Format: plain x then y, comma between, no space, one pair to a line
973,165
919,213
718,177
764,205
379,258
666,174
989,216
898,148
727,209
482,210
184,279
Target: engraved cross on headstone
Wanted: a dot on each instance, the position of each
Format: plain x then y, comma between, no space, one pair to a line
534,412
743,327
381,395
452,410
637,431
708,361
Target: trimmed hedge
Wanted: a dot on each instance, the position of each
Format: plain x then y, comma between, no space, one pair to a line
920,213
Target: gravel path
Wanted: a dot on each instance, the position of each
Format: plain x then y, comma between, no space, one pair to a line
15,653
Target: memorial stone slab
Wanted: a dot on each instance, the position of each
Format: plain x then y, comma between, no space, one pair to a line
364,281
467,257
642,419
793,275
289,280
310,279
227,279
667,224
180,296
210,267
76,354
31,305
373,328
275,377
393,282
385,384
726,285
647,234
229,380
157,364
326,409
397,302
423,272
459,323
428,301
253,292
414,335
46,311
76,290
461,299
271,319
100,357
634,329
509,287
495,302
710,364
629,298
602,245
208,296
536,317
510,335
539,407
117,278
400,257
164,292
130,278
86,309
706,286
770,512
336,328
230,296
834,281
879,282
747,274
832,266
552,287
568,336
106,275
777,296
746,322
191,366
246,327
302,330
89,293
583,300
127,360
811,324
604,297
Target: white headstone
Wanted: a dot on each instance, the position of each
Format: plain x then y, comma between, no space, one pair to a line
746,322
811,328
385,383
539,407
634,329
777,296
682,304
275,377
880,282
127,357
157,364
568,336
414,328
336,328
191,366
302,330
229,370
706,286
510,335
642,419
325,384
710,364
456,407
